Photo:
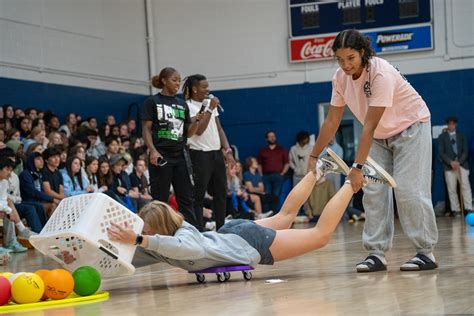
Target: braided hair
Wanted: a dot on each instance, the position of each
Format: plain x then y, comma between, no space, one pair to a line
189,83
355,40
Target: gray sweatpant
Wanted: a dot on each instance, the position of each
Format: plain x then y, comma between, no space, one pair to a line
407,156
9,234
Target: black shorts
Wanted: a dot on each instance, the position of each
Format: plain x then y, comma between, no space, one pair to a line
259,237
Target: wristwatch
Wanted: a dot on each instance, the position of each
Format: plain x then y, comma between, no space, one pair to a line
139,240
356,165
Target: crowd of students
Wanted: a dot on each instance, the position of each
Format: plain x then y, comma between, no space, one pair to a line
50,162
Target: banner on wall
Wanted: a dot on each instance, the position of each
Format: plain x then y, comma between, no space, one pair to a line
406,39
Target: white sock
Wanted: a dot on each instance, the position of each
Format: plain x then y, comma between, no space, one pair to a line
20,226
431,256
381,258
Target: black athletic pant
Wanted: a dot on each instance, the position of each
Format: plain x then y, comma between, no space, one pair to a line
209,175
174,172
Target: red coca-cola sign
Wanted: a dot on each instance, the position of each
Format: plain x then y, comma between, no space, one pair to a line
311,49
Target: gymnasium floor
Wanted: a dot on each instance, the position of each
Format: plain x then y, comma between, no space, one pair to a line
319,283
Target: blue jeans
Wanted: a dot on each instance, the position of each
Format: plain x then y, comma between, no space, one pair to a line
235,202
272,183
34,214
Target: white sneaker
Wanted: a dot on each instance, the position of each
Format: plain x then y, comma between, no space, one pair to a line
331,163
25,234
374,173
4,256
265,215
210,225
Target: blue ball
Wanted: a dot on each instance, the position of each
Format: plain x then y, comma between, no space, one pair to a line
470,219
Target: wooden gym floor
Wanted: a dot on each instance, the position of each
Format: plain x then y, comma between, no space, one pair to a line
323,282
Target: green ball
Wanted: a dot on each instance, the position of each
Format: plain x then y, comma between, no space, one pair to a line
86,281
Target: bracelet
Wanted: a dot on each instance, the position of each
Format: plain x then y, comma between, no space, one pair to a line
315,157
228,150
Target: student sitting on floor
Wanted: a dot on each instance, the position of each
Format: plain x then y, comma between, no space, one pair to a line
32,211
239,198
52,179
74,181
10,215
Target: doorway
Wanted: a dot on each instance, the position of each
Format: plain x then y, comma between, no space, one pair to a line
347,135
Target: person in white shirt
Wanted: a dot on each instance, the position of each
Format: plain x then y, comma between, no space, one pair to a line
209,149
299,156
71,125
9,213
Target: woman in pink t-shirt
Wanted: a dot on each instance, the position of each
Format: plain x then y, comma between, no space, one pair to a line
397,133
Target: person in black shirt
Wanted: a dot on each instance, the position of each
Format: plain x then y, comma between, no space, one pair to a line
121,186
140,184
52,178
166,127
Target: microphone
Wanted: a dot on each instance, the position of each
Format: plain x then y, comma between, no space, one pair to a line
218,104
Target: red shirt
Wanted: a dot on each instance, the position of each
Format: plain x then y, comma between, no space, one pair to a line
273,160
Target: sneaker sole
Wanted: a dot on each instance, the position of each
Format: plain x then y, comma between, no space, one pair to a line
339,161
416,269
370,271
391,181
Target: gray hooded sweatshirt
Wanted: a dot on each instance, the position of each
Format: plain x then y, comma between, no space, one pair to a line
192,250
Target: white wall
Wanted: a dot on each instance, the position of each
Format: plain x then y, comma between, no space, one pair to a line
245,43
236,43
91,43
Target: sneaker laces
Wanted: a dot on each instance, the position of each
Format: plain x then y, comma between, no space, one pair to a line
374,173
370,174
326,166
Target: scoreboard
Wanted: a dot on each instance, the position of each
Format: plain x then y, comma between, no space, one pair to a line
392,25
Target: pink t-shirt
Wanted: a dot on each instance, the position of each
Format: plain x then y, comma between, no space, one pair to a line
388,88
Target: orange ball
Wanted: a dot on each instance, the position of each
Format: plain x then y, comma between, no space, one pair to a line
58,284
42,273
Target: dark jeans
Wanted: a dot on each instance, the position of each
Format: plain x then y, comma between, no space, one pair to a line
272,183
138,203
209,175
34,214
174,172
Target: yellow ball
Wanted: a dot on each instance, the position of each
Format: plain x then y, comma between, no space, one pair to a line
6,275
14,276
27,288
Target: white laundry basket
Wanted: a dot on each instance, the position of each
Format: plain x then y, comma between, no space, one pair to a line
79,226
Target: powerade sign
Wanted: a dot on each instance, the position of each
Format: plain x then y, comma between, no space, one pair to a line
385,41
405,39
